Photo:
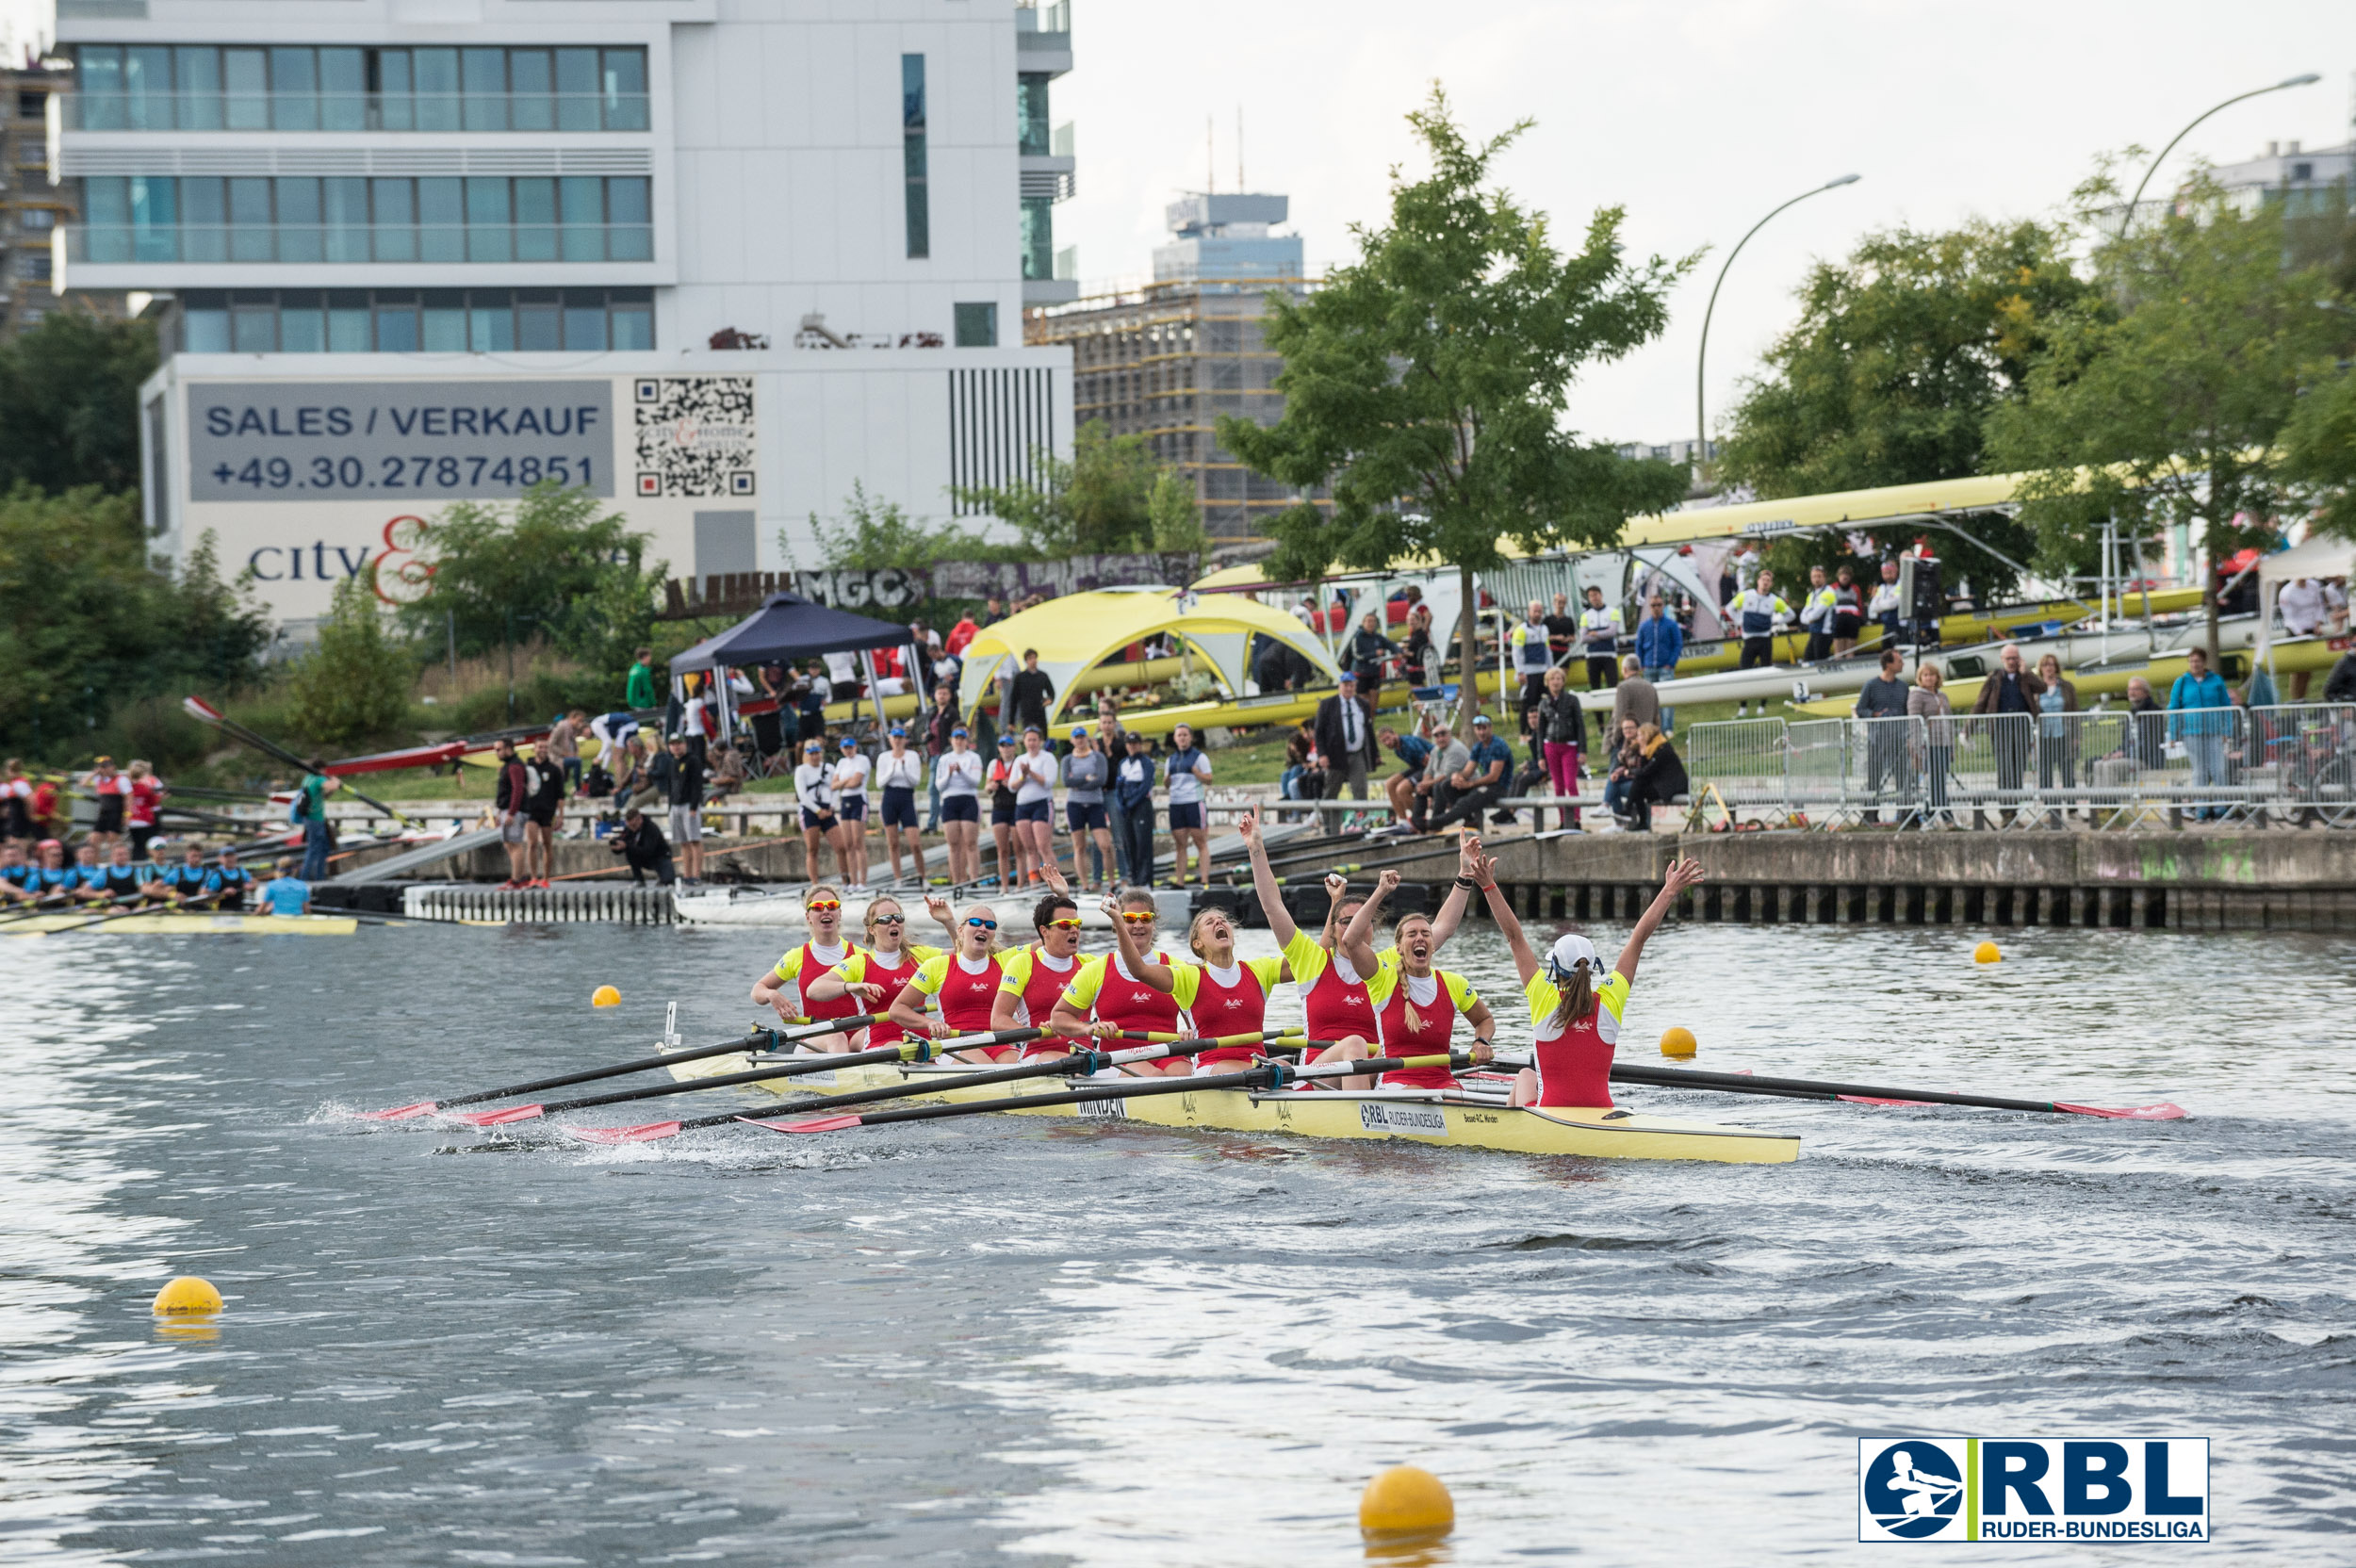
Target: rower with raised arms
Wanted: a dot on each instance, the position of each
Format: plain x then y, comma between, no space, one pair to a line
874,975
1416,1003
952,993
1575,1016
1034,975
1219,996
781,988
1107,997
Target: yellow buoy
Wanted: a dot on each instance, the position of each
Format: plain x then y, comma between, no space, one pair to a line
188,1297
1406,1501
605,996
1679,1043
1988,953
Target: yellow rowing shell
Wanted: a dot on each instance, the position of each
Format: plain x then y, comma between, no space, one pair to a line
1596,1134
177,925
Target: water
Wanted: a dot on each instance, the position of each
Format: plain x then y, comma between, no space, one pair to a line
1031,1341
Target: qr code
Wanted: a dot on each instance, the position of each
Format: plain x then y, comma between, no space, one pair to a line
695,435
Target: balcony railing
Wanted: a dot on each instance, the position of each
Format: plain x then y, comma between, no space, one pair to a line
354,111
305,244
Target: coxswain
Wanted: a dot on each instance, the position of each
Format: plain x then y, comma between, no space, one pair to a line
228,881
16,875
190,880
1415,1005
953,992
1034,974
1106,997
1575,1005
782,987
1218,995
874,975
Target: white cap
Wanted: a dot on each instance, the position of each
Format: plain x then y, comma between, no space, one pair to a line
1569,951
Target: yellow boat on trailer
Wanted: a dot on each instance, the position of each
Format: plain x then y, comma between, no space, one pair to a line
1463,1121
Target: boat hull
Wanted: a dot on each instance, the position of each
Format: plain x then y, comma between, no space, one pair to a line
191,925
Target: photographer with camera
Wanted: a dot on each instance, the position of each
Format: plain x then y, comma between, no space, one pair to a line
639,842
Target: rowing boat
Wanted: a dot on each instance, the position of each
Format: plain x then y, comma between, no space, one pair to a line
179,923
1472,1120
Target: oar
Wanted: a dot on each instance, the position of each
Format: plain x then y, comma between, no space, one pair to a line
1079,1063
102,919
47,903
205,712
792,1067
1271,1075
1865,1094
756,1039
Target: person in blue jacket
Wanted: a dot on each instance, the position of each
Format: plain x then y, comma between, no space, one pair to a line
2200,715
1659,644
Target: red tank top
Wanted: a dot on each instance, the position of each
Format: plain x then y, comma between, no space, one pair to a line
1237,1009
1434,1025
1336,1009
1575,1067
846,1006
1132,1003
892,976
965,999
1041,988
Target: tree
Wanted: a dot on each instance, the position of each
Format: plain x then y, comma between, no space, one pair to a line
353,685
555,562
2165,399
2320,446
1425,383
88,623
877,535
1175,516
70,405
1099,503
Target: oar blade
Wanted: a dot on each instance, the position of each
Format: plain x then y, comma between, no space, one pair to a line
499,1118
813,1125
402,1113
646,1132
2164,1111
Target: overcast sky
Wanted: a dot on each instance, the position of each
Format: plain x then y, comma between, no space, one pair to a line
1697,118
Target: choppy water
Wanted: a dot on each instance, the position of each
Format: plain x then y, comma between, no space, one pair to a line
995,1339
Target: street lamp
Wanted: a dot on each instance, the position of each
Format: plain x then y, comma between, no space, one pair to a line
2307,80
1701,361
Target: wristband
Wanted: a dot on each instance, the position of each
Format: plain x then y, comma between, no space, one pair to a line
1467,883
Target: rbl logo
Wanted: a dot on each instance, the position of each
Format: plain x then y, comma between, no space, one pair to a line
2033,1489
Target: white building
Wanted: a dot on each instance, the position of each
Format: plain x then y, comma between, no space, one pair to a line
718,262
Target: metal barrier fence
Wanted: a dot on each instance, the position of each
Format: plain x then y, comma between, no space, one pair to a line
2291,764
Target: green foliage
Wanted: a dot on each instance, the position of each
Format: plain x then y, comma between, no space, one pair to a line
2319,445
2165,399
1099,503
1426,383
88,623
69,403
354,686
877,536
1901,352
554,563
1174,516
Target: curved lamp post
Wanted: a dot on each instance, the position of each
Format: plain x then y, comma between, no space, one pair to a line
2134,201
1701,361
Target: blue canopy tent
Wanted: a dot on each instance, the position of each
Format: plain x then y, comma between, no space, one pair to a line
788,628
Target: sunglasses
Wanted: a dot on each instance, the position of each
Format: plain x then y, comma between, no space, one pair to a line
823,906
983,924
889,920
1138,917
1069,924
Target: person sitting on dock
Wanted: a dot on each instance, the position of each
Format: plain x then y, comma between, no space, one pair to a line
285,895
1416,1003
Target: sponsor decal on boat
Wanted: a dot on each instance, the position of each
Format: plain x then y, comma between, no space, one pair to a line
825,1077
2033,1489
1104,1110
1428,1122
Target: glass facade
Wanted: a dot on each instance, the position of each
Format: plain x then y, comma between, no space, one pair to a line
919,214
1032,137
302,219
414,320
1039,238
160,87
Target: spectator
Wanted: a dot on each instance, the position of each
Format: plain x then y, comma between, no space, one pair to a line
1002,808
898,771
1929,704
2058,737
562,745
511,797
1883,699
16,805
959,635
1085,772
1344,729
1623,760
1848,612
849,784
683,788
1301,779
1659,778
1532,658
1884,609
810,695
614,733
2305,609
544,798
636,785
813,794
1111,738
2335,603
957,778
114,793
1133,813
638,687
1561,630
1559,732
2201,715
1413,753
311,806
993,609
943,723
1816,611
147,799
1480,783
1035,775
1599,637
47,795
1449,758
1419,656
2006,700
2340,685
1634,698
1027,696
1760,613
641,845
286,896
2148,741
1369,651
1189,770
1659,644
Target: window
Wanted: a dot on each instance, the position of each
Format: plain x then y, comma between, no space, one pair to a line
919,220
977,324
1038,236
1030,114
430,320
33,266
37,220
303,88
32,105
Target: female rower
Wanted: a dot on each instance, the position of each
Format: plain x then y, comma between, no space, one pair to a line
1576,1015
1107,997
1218,995
1415,1005
783,986
872,975
1034,975
963,984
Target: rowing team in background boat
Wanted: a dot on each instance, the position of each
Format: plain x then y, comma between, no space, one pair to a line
120,882
1358,1001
